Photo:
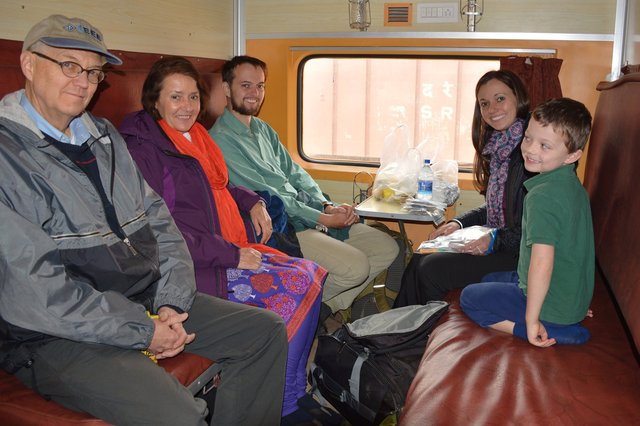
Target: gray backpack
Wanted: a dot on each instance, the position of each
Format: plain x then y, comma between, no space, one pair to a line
365,368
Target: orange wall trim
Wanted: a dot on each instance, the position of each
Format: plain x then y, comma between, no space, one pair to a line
582,69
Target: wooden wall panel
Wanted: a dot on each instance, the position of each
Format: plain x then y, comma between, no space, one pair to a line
536,16
201,28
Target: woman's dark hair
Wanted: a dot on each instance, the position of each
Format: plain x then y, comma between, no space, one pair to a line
160,70
481,131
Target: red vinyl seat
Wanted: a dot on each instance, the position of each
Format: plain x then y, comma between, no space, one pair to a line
20,406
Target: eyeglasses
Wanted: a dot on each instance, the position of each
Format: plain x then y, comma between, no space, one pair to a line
73,69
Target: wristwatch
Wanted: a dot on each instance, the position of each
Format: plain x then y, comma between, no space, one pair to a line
325,204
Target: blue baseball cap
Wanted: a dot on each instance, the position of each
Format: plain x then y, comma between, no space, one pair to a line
69,33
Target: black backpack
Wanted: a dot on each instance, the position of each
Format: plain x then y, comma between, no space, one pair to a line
364,369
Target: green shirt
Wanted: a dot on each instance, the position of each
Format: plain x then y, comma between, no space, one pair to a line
557,213
257,160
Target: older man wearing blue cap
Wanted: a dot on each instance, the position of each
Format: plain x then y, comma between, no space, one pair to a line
94,270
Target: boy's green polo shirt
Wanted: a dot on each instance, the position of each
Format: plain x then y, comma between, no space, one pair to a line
557,213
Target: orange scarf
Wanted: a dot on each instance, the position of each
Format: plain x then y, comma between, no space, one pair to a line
204,149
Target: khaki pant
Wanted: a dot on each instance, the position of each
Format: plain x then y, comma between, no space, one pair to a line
351,263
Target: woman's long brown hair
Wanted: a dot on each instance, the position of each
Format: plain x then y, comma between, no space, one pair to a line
481,131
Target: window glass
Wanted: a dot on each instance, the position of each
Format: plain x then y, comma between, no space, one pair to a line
348,106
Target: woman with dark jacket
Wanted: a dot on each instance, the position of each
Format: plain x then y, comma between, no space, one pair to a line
185,167
499,121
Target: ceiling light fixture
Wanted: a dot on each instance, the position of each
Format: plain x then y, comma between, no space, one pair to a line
472,9
359,14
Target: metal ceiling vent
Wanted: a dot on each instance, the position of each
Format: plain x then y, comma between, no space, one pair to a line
398,14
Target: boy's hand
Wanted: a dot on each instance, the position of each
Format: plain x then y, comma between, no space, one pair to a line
537,335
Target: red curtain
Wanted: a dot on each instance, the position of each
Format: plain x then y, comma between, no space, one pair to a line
539,75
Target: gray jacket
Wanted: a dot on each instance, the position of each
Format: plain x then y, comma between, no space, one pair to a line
63,272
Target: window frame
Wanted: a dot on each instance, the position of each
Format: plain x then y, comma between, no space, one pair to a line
300,91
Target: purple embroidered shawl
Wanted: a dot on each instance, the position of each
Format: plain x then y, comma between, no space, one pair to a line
499,148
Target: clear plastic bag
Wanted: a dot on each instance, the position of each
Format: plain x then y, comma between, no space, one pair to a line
426,207
456,241
445,192
445,184
397,178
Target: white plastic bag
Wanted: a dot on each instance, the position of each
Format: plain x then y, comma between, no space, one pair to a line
456,241
400,164
445,184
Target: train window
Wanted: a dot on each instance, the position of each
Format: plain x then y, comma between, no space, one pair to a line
348,106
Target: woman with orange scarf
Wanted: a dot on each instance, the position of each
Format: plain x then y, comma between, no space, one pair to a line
182,163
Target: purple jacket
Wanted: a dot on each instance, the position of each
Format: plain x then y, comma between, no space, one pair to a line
182,183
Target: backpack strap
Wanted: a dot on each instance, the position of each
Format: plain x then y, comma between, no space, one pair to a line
354,380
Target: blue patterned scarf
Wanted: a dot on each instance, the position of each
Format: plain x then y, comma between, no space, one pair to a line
499,148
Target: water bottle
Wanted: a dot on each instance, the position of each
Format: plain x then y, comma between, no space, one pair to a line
425,182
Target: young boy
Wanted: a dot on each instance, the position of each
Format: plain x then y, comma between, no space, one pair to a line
550,293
